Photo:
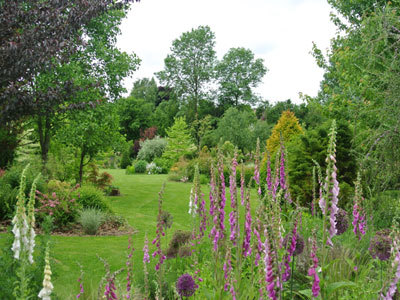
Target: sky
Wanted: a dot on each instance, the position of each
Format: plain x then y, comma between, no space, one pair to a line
280,32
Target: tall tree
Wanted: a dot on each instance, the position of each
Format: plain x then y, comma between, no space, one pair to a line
238,73
96,68
36,36
189,68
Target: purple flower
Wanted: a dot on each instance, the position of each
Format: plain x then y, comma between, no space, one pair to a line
233,192
146,257
269,270
247,228
342,221
312,271
395,265
380,245
186,285
269,178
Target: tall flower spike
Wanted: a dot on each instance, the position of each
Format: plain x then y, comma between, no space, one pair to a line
257,167
270,277
312,271
242,185
146,260
395,266
233,216
129,270
45,292
314,198
31,220
20,223
331,183
247,227
213,191
269,178
359,219
80,280
159,232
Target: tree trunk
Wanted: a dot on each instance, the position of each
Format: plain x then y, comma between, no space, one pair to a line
44,137
83,154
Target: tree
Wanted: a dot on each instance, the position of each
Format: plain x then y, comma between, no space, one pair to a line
90,132
145,89
284,130
134,115
179,141
362,73
238,73
96,80
37,36
237,127
189,68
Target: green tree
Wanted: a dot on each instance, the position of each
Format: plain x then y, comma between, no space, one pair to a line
90,132
237,74
362,73
145,89
179,141
98,80
284,130
134,115
189,69
237,127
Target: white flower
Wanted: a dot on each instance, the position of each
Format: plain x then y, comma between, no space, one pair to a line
45,292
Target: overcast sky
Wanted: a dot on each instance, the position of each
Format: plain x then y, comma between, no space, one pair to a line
279,31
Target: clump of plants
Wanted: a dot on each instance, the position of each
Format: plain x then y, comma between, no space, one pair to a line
91,219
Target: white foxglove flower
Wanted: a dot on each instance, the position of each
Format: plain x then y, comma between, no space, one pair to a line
45,292
192,205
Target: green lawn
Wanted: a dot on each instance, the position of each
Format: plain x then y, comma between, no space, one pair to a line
139,205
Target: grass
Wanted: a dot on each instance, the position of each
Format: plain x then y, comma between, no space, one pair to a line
138,203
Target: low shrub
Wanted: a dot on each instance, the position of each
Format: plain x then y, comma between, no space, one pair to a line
101,180
125,160
89,196
164,164
179,170
140,166
130,170
91,220
152,168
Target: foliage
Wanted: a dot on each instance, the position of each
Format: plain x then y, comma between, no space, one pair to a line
100,180
145,89
134,115
91,219
189,68
9,184
179,141
151,149
237,74
91,132
237,127
48,35
130,170
8,145
89,196
311,145
152,168
140,166
164,164
284,130
125,159
63,207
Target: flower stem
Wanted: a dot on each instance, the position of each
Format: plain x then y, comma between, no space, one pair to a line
291,278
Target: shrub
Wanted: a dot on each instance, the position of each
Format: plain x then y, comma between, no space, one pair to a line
152,168
140,166
62,207
91,220
101,180
179,170
151,149
125,159
91,197
9,184
130,170
164,164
